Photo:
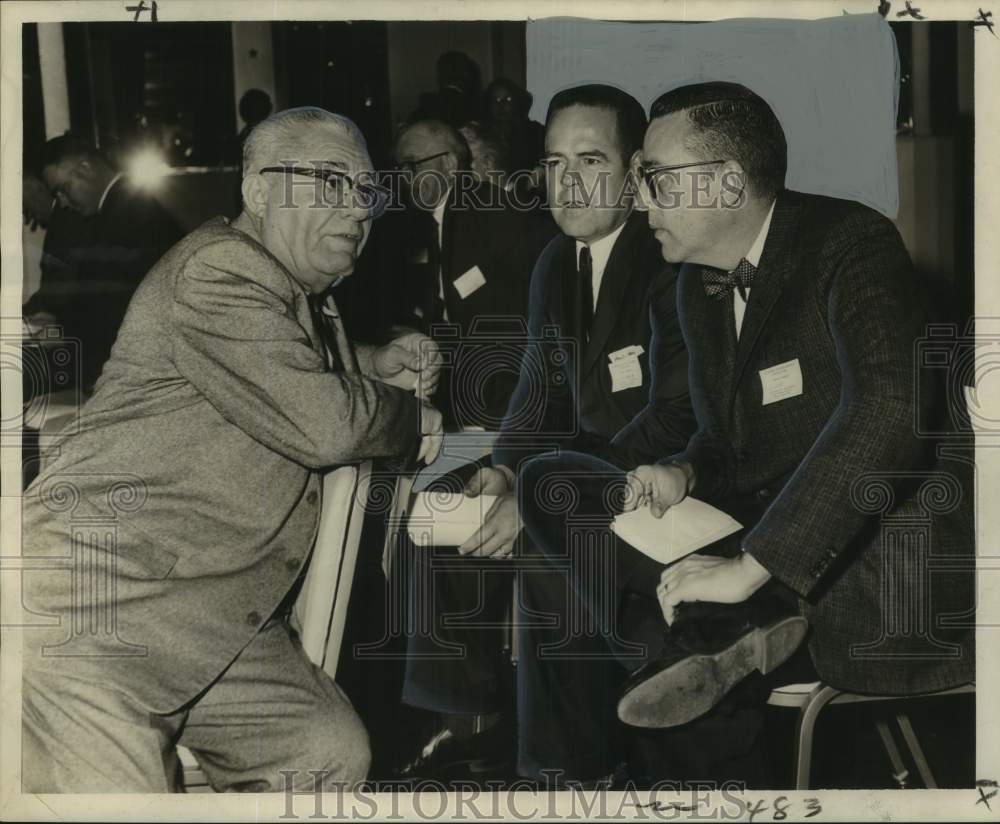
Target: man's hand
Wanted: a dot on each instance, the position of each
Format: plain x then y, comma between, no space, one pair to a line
659,486
412,361
709,578
501,526
431,433
490,480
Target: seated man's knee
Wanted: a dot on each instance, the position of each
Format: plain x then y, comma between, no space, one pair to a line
334,744
554,488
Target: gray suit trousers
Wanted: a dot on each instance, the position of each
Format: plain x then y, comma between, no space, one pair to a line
262,726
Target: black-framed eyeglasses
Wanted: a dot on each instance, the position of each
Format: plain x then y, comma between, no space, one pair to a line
662,181
340,186
410,166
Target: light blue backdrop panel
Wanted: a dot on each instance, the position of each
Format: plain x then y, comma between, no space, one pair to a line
833,84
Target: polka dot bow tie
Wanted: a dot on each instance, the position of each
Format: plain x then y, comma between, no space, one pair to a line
718,283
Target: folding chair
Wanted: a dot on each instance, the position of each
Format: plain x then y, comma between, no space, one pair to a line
811,699
320,611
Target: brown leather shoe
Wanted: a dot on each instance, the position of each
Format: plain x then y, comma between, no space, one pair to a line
706,653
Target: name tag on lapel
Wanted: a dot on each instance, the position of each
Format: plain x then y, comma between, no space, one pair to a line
781,382
468,283
626,373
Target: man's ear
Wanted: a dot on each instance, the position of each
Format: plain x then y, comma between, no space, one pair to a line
634,181
634,168
255,194
733,191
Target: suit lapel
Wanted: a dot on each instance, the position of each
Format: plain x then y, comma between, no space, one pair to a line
774,266
618,276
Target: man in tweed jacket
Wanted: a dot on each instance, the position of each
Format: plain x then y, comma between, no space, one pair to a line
805,385
191,495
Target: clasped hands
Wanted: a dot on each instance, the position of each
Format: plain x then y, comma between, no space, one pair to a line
696,577
413,362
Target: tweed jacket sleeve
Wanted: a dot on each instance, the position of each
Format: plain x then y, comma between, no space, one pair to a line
865,282
665,424
708,451
239,340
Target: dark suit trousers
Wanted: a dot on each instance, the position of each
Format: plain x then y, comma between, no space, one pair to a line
588,617
457,615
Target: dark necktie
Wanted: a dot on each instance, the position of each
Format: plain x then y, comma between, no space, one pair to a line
432,305
585,292
340,352
718,284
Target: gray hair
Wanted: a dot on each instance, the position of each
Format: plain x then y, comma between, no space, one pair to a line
274,139
443,134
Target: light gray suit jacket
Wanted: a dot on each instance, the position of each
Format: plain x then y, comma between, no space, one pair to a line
176,519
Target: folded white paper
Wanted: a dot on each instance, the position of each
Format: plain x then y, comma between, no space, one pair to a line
446,518
684,528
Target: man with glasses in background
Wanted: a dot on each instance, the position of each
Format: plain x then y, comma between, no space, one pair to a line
231,389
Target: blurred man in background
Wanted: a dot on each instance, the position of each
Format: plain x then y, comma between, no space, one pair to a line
128,232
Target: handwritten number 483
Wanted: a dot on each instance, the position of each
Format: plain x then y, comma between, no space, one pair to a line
781,806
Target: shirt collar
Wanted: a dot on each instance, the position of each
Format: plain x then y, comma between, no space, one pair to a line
111,183
600,251
753,256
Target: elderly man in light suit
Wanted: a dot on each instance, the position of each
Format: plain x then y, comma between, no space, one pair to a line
191,495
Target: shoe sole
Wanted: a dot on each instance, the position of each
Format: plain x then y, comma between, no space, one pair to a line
692,686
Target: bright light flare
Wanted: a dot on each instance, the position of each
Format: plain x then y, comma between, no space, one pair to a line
147,168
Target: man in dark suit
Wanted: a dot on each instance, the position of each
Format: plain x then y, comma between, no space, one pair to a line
801,320
129,232
192,488
468,251
604,371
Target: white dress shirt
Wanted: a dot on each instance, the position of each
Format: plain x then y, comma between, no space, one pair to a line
600,251
752,257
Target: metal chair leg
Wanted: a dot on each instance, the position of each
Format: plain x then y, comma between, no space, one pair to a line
804,740
916,751
900,773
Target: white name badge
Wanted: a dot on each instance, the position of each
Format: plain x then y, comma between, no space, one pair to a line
468,283
781,381
626,373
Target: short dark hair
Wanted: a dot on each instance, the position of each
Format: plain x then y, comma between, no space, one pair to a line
67,146
732,122
630,118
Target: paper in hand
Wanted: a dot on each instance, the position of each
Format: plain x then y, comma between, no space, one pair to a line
446,518
684,528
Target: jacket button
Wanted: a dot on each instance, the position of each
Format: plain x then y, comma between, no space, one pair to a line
312,498
763,494
253,618
292,564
